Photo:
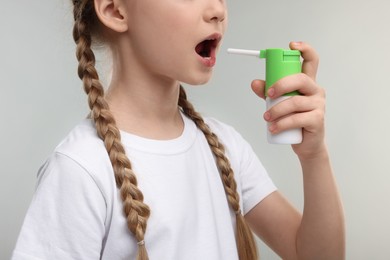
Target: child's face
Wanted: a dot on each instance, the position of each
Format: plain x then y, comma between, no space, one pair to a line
177,39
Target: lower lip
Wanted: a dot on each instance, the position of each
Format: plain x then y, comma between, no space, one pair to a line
208,62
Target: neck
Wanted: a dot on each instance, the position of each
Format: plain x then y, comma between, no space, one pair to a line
143,104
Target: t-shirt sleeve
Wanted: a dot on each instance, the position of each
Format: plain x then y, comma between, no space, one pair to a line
66,217
255,182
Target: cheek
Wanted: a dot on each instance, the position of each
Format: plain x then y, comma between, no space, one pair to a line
172,40
168,33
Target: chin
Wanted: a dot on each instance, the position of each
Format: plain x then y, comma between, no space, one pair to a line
197,80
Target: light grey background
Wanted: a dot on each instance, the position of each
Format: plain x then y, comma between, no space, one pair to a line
41,99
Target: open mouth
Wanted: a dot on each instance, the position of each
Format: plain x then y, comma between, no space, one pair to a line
206,47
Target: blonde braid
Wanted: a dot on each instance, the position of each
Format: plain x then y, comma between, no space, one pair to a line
246,245
135,210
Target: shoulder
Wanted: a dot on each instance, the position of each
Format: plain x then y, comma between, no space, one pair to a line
84,146
70,192
82,151
238,150
82,141
252,178
226,134
218,125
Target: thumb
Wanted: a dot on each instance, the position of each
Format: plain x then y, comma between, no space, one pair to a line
258,86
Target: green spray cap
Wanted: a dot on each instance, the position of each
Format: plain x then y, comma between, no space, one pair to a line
279,63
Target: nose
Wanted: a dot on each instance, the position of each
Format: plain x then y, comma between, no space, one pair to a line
215,11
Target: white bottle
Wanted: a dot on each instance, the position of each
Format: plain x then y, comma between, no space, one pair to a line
291,136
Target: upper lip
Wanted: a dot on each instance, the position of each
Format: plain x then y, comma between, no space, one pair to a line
214,39
217,37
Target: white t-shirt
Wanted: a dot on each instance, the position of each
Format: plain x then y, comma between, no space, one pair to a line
76,211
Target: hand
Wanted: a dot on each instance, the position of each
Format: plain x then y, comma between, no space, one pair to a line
305,111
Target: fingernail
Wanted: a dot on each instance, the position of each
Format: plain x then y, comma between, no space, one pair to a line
297,43
271,92
267,116
272,128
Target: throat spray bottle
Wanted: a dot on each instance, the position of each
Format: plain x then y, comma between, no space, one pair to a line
279,63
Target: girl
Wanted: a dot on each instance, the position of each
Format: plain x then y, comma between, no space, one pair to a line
145,176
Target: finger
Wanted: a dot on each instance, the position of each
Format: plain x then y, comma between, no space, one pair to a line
296,82
258,87
295,104
310,58
312,122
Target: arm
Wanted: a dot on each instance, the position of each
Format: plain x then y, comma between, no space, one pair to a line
319,232
322,231
66,218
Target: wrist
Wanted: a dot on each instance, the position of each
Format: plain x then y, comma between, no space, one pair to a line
316,164
319,153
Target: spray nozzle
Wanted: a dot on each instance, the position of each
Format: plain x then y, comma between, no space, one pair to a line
259,54
279,62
